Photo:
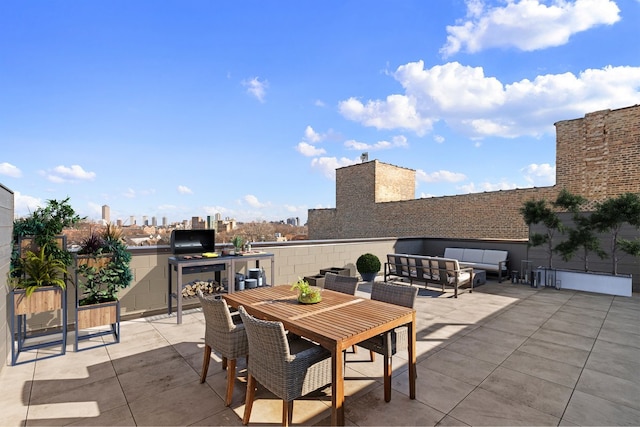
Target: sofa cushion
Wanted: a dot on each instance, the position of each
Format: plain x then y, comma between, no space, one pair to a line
455,253
472,255
494,257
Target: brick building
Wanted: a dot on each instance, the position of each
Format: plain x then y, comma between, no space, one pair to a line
597,156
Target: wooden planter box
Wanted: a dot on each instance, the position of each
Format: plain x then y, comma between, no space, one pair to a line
99,262
42,300
48,298
340,271
91,316
94,316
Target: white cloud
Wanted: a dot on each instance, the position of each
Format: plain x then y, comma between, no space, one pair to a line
328,165
311,135
95,210
440,176
396,141
130,193
10,170
540,175
397,111
183,189
478,106
526,24
438,138
24,205
256,88
253,201
320,103
309,150
486,186
61,174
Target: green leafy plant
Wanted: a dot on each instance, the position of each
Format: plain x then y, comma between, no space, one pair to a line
102,279
368,264
610,216
535,212
94,244
582,239
99,284
307,293
45,225
237,242
41,269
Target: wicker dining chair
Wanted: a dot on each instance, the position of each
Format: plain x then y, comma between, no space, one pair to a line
288,369
339,283
388,343
226,335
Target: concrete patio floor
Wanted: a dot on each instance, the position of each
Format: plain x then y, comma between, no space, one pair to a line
506,354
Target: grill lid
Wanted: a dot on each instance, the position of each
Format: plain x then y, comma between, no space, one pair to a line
193,241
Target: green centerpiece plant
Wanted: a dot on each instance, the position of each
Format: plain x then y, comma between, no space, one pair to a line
307,294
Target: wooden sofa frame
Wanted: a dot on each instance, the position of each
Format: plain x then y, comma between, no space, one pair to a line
429,270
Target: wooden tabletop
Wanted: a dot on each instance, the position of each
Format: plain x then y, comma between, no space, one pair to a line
336,323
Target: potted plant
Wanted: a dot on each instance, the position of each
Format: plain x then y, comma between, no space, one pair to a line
307,294
237,243
102,270
38,273
368,265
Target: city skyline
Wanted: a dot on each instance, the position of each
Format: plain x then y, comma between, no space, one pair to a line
246,108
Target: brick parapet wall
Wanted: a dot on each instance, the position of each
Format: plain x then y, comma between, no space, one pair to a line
596,156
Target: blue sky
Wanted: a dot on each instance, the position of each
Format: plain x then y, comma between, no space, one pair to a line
246,108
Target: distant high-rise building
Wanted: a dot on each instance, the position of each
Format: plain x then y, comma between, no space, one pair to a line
145,221
197,223
218,217
106,214
154,221
164,221
211,223
132,220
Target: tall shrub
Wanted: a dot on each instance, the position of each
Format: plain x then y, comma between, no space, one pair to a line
536,212
610,216
582,239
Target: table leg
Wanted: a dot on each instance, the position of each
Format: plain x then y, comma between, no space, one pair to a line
170,303
337,387
179,294
412,358
273,271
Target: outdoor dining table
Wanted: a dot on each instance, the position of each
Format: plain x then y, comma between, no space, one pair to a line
337,322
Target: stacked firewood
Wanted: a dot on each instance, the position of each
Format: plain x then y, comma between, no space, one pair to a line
206,286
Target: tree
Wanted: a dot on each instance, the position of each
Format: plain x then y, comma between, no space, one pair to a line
582,236
535,212
610,216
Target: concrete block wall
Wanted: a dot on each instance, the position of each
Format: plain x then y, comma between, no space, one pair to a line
148,293
6,230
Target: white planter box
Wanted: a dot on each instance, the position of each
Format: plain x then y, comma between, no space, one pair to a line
601,283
